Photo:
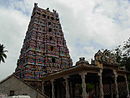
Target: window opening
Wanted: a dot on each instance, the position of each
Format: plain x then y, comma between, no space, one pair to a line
49,23
53,60
44,15
50,38
52,48
11,92
48,17
38,13
52,18
50,29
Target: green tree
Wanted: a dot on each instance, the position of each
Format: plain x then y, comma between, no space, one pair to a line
126,48
126,54
90,86
122,53
118,54
2,53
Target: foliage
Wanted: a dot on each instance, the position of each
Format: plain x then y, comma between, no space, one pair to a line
89,86
126,48
118,54
2,53
123,54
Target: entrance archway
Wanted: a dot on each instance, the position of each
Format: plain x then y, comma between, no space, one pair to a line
109,83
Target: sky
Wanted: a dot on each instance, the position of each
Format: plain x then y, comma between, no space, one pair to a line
88,25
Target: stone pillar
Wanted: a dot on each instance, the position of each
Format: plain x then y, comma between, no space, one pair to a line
116,84
84,93
128,96
67,87
101,84
53,89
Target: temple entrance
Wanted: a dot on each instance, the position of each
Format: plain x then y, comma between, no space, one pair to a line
92,85
60,88
122,87
75,86
109,83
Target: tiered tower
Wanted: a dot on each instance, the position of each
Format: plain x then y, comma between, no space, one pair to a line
44,49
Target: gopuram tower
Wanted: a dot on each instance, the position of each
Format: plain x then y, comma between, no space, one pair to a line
44,48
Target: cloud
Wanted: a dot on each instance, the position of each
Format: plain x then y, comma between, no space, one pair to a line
13,26
88,25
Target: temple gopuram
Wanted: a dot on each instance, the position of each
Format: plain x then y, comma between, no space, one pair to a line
44,49
46,65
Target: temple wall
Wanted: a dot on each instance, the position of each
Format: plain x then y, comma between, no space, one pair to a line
19,88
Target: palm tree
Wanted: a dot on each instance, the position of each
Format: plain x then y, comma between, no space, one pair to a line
2,53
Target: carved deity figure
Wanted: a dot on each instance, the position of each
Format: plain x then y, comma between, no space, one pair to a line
105,57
